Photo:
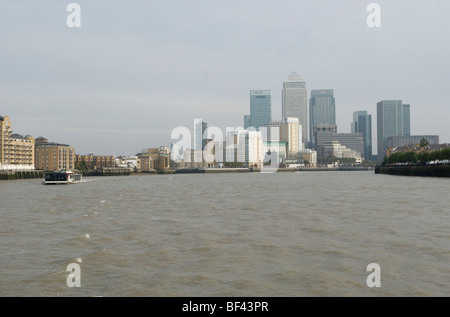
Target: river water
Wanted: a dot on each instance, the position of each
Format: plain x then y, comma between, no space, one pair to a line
234,234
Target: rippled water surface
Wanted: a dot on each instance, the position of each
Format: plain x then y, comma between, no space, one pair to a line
236,234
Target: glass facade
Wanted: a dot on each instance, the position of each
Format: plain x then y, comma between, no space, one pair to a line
294,102
200,139
393,118
260,108
362,123
322,109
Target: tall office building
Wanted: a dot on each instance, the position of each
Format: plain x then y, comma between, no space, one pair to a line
294,102
271,131
393,118
253,148
322,134
260,107
247,122
362,123
234,148
291,132
200,138
322,110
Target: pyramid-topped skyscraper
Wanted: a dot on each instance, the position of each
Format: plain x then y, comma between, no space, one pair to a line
294,102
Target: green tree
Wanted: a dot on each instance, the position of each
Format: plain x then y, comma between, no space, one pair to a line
424,142
347,160
433,156
397,157
411,157
82,167
233,164
423,157
446,153
439,155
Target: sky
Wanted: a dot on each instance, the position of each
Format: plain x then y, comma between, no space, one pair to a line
135,70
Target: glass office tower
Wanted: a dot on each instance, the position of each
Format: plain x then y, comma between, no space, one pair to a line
260,107
322,110
393,118
294,102
362,123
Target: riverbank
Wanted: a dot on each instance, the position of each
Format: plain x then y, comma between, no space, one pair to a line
415,170
10,175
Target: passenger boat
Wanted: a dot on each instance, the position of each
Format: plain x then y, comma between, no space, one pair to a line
61,177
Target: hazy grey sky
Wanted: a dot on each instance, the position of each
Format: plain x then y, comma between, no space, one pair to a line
137,69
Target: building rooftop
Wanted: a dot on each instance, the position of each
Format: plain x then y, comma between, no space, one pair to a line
294,77
52,144
17,136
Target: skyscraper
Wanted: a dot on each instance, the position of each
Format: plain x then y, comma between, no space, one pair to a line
322,109
260,107
200,137
323,133
362,123
393,118
247,122
294,102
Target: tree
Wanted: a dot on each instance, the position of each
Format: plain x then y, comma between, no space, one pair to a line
347,160
433,156
424,142
233,164
411,157
82,167
397,157
423,157
446,154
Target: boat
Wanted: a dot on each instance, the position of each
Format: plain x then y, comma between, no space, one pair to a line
61,177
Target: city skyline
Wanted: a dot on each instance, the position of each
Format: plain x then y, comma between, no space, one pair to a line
126,78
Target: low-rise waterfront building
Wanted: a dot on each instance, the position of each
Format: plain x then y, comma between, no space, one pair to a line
275,147
51,156
309,156
16,151
154,159
335,149
416,148
92,161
